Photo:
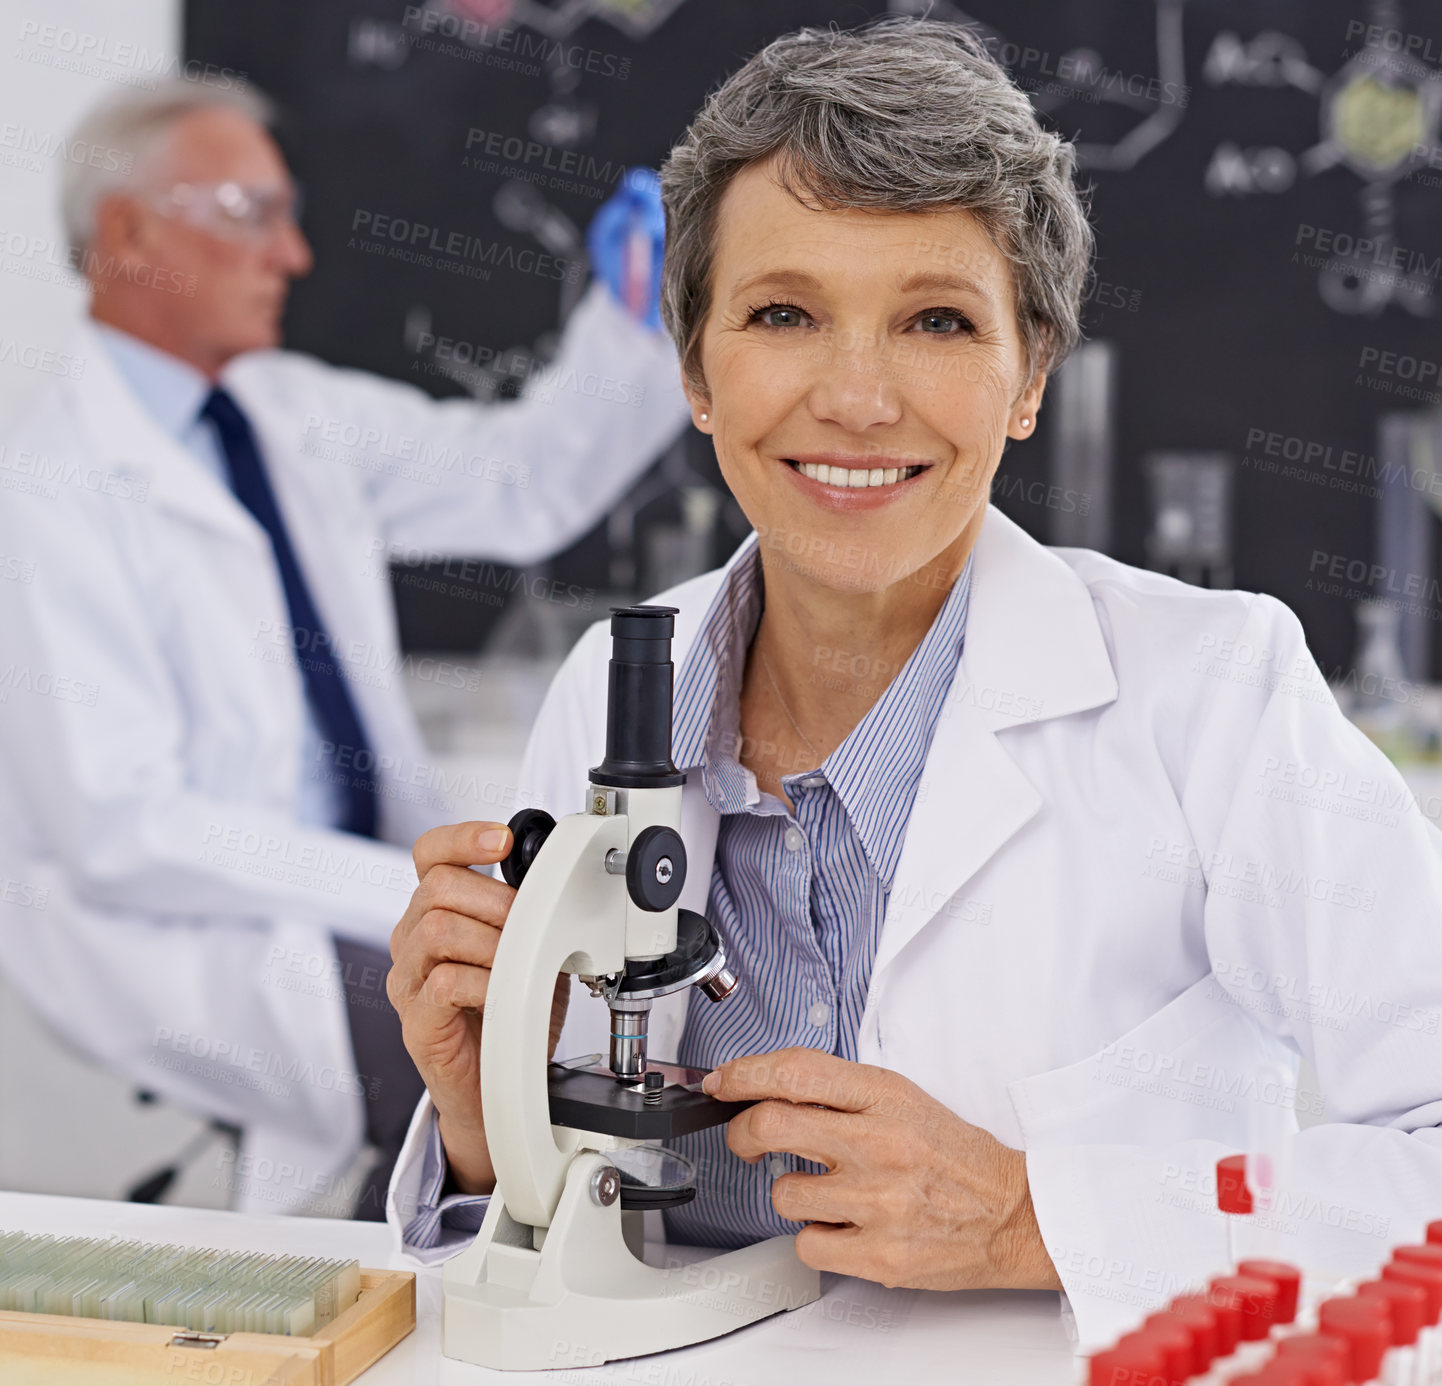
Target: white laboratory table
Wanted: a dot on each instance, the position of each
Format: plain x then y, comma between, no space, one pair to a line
858,1334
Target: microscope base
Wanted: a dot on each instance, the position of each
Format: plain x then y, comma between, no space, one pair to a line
584,1298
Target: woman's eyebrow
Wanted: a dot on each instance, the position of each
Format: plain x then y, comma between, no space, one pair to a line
778,279
783,279
945,281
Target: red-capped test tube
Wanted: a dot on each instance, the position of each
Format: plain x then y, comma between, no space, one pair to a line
1325,1360
1422,1265
1365,1326
1288,1280
1227,1318
1408,1304
1224,1319
1429,1281
1256,1299
1199,1324
1240,1180
1135,1363
1279,1372
1234,1199
1175,1347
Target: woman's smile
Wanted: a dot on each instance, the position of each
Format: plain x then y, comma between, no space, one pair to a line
841,482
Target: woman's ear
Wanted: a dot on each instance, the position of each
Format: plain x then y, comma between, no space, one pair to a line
700,403
1022,423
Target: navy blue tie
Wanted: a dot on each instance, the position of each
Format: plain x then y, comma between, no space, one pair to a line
325,684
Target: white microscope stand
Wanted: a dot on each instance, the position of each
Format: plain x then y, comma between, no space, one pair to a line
554,1278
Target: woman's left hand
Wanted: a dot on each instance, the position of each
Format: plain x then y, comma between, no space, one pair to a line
913,1195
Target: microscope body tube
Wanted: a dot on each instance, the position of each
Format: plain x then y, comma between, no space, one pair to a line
637,777
638,781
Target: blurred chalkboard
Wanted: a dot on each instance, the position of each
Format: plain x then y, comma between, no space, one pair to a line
1207,203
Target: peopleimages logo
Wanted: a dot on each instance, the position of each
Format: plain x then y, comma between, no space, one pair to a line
50,261
1083,74
26,147
95,55
421,243
1379,36
568,162
525,50
1369,251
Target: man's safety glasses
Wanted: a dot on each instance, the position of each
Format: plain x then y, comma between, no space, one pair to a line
236,211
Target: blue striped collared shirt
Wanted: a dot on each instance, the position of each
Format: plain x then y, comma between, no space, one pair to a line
799,896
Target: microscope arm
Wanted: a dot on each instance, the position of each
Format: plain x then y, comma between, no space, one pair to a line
570,917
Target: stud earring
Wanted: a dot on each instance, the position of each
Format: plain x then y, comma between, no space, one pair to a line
704,416
1026,423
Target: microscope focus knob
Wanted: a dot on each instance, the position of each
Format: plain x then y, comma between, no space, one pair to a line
605,1186
656,868
529,830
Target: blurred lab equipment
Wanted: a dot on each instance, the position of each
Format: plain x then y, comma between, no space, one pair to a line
1083,446
1190,504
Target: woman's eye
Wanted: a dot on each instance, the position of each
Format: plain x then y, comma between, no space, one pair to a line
942,324
779,315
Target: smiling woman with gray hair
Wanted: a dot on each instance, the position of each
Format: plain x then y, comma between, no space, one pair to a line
903,117
998,837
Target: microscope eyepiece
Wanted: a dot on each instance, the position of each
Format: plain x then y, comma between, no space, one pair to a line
642,634
638,706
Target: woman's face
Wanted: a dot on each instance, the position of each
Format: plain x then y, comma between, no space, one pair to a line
863,370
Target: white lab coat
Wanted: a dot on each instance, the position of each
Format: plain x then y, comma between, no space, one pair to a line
1148,855
151,708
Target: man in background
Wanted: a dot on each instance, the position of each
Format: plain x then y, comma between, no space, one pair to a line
207,760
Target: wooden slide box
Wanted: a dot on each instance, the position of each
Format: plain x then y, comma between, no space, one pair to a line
52,1350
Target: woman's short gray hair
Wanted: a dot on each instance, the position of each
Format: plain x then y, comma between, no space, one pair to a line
123,138
902,115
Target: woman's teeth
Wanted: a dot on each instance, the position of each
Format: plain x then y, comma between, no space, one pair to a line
854,477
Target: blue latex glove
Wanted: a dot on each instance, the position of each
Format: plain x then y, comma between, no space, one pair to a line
626,240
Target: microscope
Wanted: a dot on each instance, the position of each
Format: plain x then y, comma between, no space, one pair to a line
556,1276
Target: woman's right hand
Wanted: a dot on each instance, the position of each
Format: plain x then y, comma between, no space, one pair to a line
442,950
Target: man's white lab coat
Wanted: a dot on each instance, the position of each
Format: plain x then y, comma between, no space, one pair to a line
1148,860
163,908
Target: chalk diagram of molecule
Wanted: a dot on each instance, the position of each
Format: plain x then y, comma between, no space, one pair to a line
1378,117
1081,75
563,121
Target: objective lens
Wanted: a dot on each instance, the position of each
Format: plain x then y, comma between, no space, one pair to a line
720,984
628,1043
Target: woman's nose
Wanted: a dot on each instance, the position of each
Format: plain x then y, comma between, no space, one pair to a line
854,385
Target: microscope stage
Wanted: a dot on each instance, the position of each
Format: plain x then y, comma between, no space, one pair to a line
594,1099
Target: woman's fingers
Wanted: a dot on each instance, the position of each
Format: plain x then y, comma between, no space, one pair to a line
453,890
443,949
461,844
817,1198
456,986
812,1133
439,936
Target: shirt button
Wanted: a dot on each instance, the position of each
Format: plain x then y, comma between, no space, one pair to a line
812,781
819,1015
793,839
777,1165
